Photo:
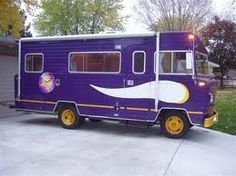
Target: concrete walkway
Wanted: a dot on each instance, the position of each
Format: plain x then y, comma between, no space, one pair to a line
34,145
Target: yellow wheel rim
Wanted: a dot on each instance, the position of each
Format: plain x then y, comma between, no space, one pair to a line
68,117
174,125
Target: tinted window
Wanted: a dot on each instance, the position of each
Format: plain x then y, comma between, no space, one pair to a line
179,62
95,62
173,62
34,63
138,62
165,63
201,64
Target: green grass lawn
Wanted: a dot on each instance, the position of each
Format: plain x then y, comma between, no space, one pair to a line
226,107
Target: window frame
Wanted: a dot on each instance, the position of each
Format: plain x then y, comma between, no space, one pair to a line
27,54
86,72
171,51
144,65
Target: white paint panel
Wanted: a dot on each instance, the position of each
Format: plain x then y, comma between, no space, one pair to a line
129,92
169,91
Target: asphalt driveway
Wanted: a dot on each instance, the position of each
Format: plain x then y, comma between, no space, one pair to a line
34,145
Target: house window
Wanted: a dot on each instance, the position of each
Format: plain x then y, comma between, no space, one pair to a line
97,62
139,59
34,63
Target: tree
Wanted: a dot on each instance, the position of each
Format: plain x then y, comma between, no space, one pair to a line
173,15
64,17
11,21
10,18
219,37
25,32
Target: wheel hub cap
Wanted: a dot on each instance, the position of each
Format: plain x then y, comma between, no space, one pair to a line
174,125
68,117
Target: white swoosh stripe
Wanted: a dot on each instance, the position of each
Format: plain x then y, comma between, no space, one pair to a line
169,91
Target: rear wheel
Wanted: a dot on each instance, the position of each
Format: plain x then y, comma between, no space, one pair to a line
175,124
69,118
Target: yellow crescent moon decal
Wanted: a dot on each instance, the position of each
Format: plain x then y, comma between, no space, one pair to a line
186,97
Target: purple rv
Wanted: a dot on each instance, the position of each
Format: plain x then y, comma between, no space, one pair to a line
156,78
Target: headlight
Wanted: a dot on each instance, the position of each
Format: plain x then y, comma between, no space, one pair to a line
211,98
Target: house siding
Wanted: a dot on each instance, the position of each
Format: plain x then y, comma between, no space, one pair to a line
8,68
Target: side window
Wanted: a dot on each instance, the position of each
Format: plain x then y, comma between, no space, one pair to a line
94,62
139,59
172,62
34,63
179,62
165,63
77,62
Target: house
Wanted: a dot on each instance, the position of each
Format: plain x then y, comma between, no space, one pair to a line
8,67
211,66
231,79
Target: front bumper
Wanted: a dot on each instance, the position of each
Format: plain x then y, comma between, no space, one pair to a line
209,121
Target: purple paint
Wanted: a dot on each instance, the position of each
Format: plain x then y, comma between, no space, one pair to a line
76,87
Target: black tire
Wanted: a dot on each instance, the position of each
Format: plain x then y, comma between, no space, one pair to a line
175,124
69,118
190,125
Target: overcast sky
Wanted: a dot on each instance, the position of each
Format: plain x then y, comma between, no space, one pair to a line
134,26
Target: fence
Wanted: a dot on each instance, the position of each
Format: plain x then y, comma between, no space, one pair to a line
230,83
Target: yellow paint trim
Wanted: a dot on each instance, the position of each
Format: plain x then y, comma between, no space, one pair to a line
186,97
96,106
137,109
32,101
195,112
37,101
154,110
101,106
50,102
208,122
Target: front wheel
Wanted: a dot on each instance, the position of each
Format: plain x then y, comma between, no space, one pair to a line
69,118
175,124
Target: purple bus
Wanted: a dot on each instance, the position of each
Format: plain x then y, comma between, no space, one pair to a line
155,78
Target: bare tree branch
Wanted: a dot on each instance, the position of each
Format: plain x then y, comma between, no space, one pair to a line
173,15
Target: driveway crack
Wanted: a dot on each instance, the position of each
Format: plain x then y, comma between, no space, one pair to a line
172,158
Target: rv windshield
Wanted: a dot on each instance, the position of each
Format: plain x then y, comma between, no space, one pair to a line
201,64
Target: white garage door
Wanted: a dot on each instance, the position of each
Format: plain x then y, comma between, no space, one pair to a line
8,68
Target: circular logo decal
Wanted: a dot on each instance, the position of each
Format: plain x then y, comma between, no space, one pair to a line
46,82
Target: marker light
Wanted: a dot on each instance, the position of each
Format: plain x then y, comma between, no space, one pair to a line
190,36
211,98
201,83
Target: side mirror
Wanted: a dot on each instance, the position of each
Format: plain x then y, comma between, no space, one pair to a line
189,60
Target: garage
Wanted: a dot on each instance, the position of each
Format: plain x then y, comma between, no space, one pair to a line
8,68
